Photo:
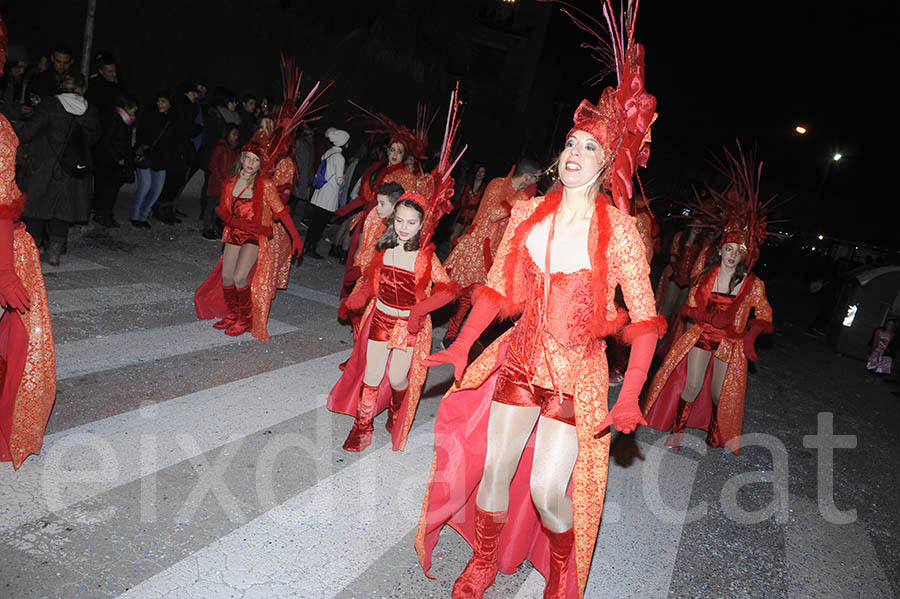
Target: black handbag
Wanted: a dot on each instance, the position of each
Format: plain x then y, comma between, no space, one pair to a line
142,152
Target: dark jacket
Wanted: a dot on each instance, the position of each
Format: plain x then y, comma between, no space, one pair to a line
46,84
52,191
103,94
184,118
113,156
155,129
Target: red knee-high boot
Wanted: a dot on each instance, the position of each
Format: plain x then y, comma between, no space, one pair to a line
713,436
231,303
397,396
360,435
481,570
682,413
245,313
560,549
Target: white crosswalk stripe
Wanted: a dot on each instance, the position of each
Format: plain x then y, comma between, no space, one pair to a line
85,356
75,300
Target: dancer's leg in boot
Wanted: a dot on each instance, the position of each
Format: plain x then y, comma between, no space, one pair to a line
398,375
713,436
509,428
246,258
555,452
697,362
231,305
360,435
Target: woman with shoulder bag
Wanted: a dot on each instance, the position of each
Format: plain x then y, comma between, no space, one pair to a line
115,162
152,155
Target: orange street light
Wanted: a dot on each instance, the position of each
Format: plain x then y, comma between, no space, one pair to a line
800,129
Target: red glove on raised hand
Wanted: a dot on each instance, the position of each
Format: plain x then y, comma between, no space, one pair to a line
481,316
12,293
296,243
756,327
626,414
427,306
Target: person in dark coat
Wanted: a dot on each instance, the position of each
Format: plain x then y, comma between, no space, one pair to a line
114,161
46,83
249,118
104,89
57,173
185,109
156,138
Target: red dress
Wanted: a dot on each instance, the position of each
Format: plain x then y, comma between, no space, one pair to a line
27,355
243,220
428,277
727,345
556,345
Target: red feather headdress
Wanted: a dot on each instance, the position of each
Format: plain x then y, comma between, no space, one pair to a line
622,117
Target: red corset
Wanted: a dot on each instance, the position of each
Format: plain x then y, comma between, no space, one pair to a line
711,336
242,226
397,288
570,310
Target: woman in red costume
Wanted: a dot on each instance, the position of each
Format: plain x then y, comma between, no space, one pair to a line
469,200
27,357
401,285
703,380
529,420
256,260
403,142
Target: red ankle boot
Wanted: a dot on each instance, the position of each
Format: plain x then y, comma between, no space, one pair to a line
231,303
245,313
713,436
481,570
360,435
682,413
397,396
560,549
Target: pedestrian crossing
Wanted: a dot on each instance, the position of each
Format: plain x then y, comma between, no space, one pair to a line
240,488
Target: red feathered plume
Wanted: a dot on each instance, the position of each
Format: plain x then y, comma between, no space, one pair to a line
414,141
743,217
436,194
290,116
623,115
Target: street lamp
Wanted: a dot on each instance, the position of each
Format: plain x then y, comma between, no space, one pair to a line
800,129
837,156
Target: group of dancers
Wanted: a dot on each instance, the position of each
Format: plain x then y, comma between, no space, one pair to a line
522,437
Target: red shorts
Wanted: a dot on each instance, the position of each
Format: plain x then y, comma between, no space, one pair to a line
383,324
240,237
513,389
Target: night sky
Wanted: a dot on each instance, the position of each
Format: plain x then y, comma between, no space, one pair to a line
720,70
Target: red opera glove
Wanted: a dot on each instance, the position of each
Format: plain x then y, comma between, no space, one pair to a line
756,327
356,301
296,242
481,316
626,414
427,306
12,293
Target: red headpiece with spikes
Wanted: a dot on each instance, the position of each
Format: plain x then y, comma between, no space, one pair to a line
272,148
743,217
414,141
622,117
436,193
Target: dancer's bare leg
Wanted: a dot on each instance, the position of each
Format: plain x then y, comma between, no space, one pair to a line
698,361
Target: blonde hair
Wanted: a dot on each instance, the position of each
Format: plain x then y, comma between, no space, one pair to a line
238,167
